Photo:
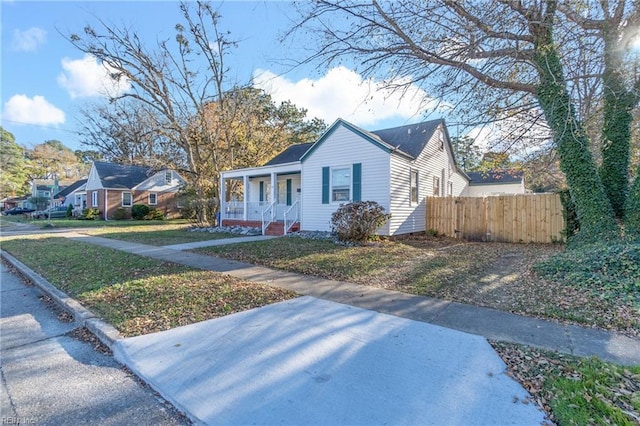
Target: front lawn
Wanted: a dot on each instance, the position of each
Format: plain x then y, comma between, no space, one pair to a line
135,294
495,275
158,235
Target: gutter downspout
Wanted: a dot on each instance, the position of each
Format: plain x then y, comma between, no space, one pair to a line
106,197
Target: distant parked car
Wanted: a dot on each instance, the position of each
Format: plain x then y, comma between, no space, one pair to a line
56,213
17,210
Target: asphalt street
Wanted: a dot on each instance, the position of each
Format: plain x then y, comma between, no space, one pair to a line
51,377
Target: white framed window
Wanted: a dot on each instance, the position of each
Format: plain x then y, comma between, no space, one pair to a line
450,188
436,186
168,176
127,199
413,185
153,199
341,184
94,199
441,140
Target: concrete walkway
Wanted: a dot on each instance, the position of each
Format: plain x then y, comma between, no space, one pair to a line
489,323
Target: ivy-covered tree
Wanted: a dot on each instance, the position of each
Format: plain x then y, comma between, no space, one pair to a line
506,58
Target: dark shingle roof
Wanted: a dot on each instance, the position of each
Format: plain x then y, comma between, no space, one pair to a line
410,139
69,189
291,154
495,176
120,176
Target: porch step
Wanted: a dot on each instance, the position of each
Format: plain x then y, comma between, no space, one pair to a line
277,228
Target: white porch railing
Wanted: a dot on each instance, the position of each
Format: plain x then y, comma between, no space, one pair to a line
268,216
291,216
235,210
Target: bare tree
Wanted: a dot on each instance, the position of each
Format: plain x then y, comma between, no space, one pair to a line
175,82
128,133
500,58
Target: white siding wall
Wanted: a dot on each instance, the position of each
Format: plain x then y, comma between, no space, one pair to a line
343,148
407,217
494,189
93,181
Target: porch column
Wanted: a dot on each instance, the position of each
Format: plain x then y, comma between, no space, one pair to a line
274,187
223,199
245,197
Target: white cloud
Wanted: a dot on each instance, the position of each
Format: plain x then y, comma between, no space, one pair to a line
343,93
37,110
28,40
86,77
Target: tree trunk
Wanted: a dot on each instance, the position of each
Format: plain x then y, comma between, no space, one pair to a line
632,211
597,222
616,131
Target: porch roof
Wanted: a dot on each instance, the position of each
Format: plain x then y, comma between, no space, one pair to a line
293,167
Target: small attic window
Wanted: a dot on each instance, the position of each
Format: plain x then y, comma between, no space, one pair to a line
168,176
441,140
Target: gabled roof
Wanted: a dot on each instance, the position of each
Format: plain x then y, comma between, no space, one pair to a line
411,138
71,188
408,140
120,176
493,177
290,155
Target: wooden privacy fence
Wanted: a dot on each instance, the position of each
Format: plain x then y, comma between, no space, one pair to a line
535,218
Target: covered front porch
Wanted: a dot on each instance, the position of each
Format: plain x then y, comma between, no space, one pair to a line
266,197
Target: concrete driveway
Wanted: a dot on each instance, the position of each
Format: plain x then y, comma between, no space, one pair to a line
311,361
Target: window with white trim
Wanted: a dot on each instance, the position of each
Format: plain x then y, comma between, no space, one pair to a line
127,199
413,184
436,186
153,199
450,188
94,199
341,184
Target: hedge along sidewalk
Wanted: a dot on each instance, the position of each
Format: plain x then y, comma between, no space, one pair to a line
490,323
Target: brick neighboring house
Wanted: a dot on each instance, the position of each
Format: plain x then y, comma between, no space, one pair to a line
111,186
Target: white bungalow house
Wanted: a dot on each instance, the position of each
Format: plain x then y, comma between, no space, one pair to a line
302,186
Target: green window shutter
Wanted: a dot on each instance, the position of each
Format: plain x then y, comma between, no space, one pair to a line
261,191
288,192
325,185
357,182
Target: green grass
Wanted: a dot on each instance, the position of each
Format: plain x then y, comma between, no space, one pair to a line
595,392
158,235
75,223
576,391
138,295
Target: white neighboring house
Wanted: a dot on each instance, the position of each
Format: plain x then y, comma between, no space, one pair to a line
301,187
495,182
74,195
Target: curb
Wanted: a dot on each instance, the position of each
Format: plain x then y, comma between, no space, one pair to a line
107,334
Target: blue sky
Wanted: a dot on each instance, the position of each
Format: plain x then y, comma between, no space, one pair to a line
45,80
